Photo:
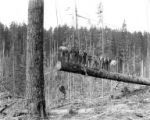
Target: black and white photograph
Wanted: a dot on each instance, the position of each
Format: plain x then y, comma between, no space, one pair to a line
74,59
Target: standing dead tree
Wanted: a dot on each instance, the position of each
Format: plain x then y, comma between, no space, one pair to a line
34,61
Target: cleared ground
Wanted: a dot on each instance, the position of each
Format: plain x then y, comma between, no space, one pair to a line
133,106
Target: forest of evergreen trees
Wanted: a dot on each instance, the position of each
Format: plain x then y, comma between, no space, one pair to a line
119,44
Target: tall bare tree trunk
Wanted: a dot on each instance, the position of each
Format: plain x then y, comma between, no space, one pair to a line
34,61
148,57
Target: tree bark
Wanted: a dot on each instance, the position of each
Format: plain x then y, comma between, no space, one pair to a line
78,69
34,61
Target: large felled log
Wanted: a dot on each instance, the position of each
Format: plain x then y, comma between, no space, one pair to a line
75,68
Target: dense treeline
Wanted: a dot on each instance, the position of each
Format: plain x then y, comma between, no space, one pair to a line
119,44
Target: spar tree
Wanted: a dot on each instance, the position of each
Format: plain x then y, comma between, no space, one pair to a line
34,61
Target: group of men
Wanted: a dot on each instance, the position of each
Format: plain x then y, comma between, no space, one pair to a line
74,55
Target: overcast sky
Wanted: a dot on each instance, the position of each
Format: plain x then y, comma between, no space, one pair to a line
135,12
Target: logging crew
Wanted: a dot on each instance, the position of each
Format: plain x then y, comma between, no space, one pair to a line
103,62
71,55
74,55
100,62
96,63
63,54
80,57
108,61
84,58
89,61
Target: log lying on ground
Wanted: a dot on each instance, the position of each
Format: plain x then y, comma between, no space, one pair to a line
78,69
6,107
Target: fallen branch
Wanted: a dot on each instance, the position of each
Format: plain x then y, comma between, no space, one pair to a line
78,69
6,107
96,116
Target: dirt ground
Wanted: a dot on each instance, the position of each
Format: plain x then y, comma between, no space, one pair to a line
134,106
